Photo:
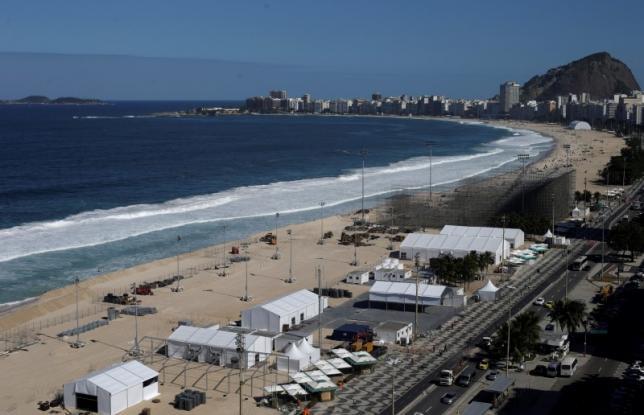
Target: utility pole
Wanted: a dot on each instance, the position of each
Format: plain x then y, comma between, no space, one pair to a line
321,241
136,327
223,255
363,153
430,144
246,297
241,348
178,288
503,240
290,255
523,158
319,274
552,197
393,363
277,254
416,309
78,342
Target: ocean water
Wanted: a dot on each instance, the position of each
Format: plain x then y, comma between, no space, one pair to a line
91,189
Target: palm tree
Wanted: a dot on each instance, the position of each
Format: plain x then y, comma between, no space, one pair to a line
488,259
568,314
524,336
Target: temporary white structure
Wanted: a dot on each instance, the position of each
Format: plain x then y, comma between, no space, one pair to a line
298,355
217,346
293,360
487,292
427,246
390,270
579,125
283,313
357,277
395,332
113,389
405,293
515,236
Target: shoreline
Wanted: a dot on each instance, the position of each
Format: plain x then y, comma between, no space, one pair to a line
17,307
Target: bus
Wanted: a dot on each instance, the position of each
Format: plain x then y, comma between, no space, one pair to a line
579,263
568,366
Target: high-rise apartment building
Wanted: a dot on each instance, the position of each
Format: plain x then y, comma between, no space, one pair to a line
509,95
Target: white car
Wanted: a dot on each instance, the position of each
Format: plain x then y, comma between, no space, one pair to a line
539,301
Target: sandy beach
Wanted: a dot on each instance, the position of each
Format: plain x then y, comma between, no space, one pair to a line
208,298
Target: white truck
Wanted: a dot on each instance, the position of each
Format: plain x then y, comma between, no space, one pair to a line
446,377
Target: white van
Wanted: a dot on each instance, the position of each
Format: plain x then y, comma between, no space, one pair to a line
568,366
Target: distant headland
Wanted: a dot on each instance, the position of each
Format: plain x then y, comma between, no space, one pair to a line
40,99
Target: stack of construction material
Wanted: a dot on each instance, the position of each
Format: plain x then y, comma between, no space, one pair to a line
140,311
82,329
189,399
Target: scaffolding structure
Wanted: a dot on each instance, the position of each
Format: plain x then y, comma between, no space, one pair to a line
478,201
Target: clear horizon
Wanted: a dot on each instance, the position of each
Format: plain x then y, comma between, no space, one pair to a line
209,50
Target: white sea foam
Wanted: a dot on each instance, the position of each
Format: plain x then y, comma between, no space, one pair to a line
102,226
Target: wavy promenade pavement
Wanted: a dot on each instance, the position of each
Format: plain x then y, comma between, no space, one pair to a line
370,393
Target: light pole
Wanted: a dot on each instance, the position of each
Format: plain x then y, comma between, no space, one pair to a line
276,255
363,154
223,254
430,145
241,348
290,255
318,271
321,241
393,363
246,297
503,240
507,361
78,343
523,158
566,274
552,198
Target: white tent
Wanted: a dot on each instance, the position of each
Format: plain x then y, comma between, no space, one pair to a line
390,270
112,390
548,234
427,246
283,313
513,235
217,346
488,292
579,125
405,293
293,360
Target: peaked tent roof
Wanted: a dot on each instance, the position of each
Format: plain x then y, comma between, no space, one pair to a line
480,231
116,378
408,288
548,234
489,287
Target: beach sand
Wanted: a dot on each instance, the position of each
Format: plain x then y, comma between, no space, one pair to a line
40,370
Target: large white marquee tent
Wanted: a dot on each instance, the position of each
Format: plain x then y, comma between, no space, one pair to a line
283,313
513,235
216,346
405,293
113,389
428,246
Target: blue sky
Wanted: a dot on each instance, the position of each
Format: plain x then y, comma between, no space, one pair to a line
328,48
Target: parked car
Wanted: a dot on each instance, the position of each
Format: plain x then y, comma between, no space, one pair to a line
492,375
549,305
484,364
448,398
539,370
539,301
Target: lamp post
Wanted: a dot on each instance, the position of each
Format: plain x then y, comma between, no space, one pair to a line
241,348
290,255
430,145
393,363
507,361
552,199
321,241
363,154
276,255
523,158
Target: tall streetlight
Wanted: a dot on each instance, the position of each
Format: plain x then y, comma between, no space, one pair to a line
276,255
178,287
507,361
246,297
552,200
290,256
240,342
523,158
321,241
223,254
430,145
363,154
393,363
78,343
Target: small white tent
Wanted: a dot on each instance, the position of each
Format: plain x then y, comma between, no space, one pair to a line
579,125
488,292
112,390
293,360
548,234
